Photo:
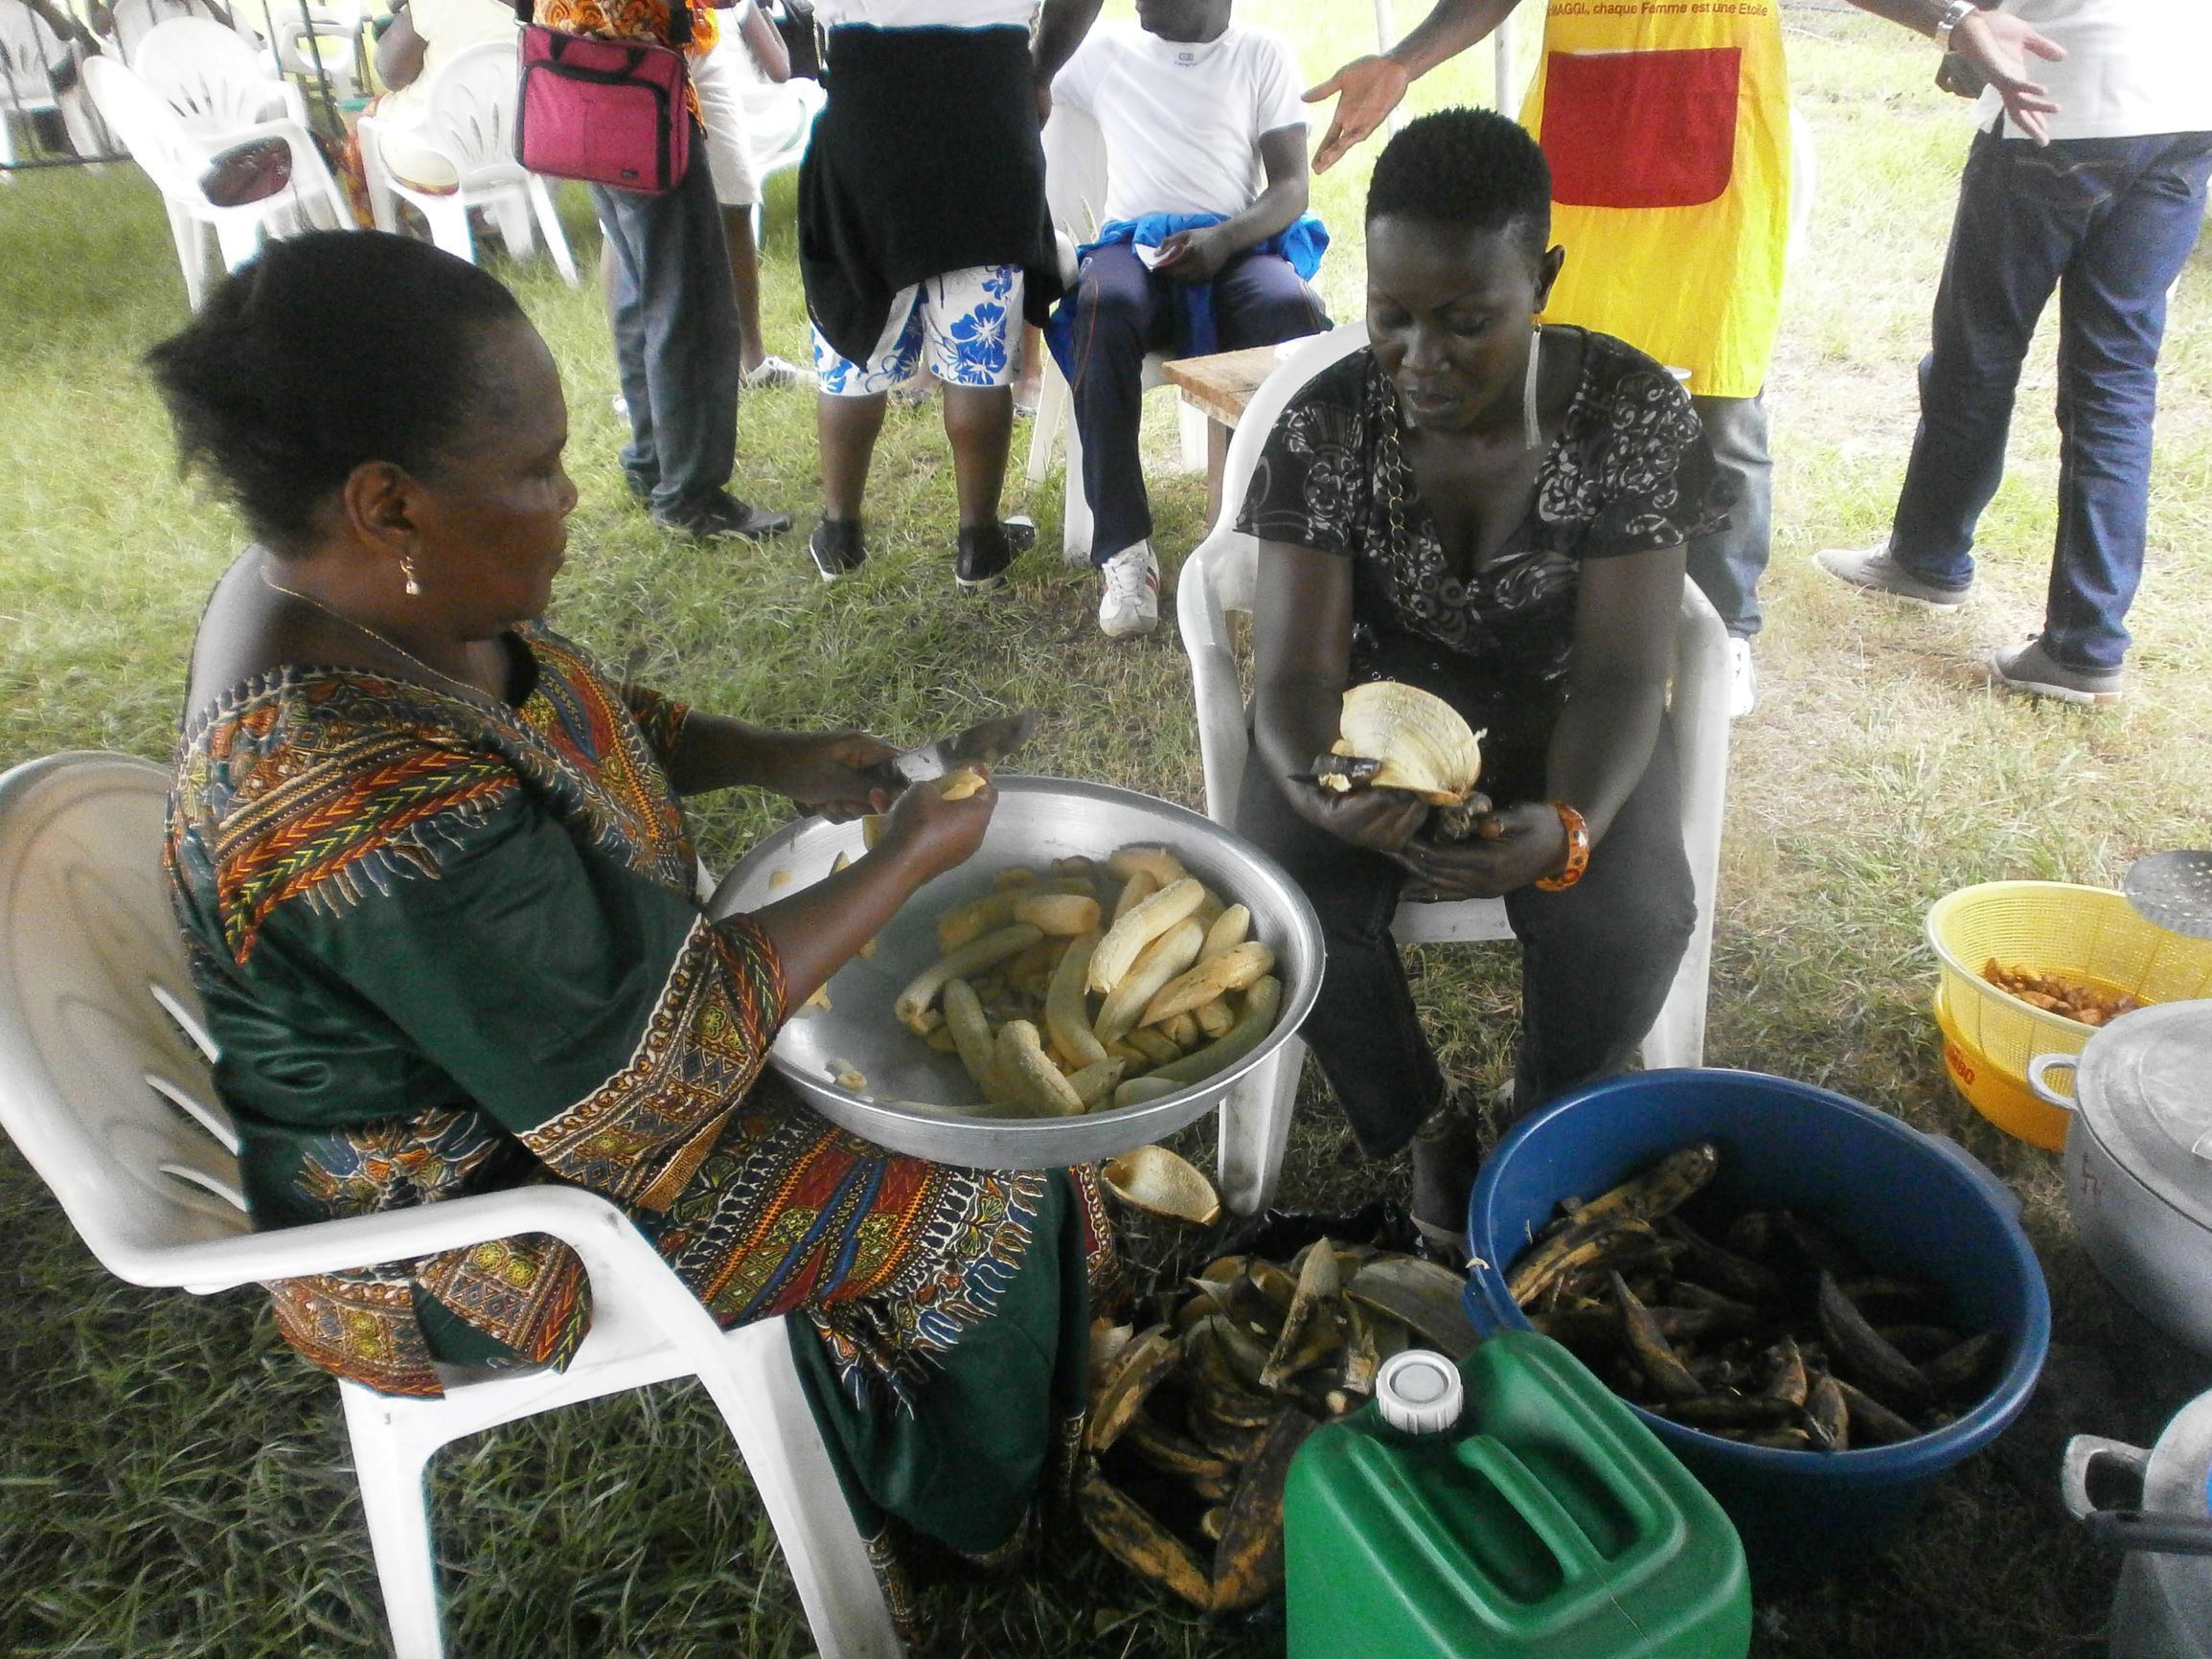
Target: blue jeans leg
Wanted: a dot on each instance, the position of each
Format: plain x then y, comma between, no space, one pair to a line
2106,223
1727,565
675,337
2112,321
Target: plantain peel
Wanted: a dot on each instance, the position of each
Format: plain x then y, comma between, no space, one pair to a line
1415,740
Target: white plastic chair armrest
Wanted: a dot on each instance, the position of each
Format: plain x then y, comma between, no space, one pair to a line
1221,705
598,1231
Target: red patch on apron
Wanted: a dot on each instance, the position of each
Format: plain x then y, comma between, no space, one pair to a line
1641,129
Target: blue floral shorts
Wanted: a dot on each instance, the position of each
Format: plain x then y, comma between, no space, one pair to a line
966,320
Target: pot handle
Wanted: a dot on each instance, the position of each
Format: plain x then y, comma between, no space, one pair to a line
1976,1171
2040,1069
2125,1528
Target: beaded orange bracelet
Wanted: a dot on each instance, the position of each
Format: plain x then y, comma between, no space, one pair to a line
1577,849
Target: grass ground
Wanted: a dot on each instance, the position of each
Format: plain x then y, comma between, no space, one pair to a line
172,1482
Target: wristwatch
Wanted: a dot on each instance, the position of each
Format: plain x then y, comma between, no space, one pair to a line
1953,14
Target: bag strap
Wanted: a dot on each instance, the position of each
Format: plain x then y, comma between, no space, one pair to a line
679,19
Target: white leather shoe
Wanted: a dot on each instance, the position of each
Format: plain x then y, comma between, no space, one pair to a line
1743,679
1131,602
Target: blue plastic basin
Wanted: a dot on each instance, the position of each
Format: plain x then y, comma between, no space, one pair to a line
1914,1203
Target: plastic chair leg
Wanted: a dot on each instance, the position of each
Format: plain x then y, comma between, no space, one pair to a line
549,223
1075,524
1191,427
191,251
510,212
1255,1129
1052,407
448,223
390,1474
240,237
765,1409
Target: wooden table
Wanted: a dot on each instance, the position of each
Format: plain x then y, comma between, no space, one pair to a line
1219,387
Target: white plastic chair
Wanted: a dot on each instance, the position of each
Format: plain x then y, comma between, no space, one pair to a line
213,78
469,120
28,48
130,21
176,160
1075,173
1218,579
105,1089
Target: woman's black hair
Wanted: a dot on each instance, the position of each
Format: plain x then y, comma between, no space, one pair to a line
1471,168
326,350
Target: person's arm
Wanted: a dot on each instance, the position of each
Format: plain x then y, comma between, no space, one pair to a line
816,770
1624,613
400,50
1198,256
1367,89
1996,43
762,38
1060,26
1302,661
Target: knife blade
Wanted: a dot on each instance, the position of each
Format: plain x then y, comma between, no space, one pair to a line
985,744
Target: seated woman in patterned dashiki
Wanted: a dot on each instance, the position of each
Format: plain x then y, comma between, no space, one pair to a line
1495,512
441,906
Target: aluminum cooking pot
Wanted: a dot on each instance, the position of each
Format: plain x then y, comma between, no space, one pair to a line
2163,1606
2138,1160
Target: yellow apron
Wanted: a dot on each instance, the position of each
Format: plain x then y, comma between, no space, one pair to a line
1667,125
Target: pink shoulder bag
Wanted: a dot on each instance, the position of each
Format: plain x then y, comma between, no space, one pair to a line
610,112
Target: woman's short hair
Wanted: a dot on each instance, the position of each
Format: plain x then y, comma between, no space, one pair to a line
1467,167
324,351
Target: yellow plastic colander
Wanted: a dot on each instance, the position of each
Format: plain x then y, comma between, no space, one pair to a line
2089,933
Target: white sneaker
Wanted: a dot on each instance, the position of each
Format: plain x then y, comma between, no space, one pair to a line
1131,602
1743,679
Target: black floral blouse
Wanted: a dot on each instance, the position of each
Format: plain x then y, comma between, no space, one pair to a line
1630,472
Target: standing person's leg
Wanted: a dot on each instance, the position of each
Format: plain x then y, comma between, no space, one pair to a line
971,326
745,286
1727,565
681,264
2111,322
2011,237
1598,958
619,268
848,417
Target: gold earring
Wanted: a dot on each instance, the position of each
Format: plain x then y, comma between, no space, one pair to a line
407,570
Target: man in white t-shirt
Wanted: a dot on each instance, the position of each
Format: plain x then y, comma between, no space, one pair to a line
2104,214
1205,141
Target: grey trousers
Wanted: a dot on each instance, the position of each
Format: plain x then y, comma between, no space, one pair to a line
675,337
1726,565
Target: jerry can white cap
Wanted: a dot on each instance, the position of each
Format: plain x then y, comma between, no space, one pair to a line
1419,1391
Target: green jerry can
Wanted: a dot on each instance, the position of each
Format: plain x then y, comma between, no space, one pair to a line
1506,1506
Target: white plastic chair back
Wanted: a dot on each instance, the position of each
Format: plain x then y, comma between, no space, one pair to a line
471,113
1218,579
149,128
214,82
27,47
100,1086
132,20
104,1087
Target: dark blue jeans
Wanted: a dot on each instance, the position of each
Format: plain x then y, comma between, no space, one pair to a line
1727,565
1122,312
2107,223
675,337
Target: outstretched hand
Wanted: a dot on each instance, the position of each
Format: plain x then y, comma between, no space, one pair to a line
937,834
1366,90
2000,45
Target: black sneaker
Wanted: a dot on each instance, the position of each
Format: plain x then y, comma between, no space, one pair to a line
1447,1153
640,488
836,548
723,516
980,563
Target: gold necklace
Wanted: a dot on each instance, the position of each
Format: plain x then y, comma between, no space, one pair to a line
390,644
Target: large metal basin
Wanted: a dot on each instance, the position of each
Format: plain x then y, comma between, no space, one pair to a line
912,1090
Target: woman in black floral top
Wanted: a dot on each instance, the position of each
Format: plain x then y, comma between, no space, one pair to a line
1496,512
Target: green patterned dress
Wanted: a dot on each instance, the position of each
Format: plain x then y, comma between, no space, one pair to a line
448,945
